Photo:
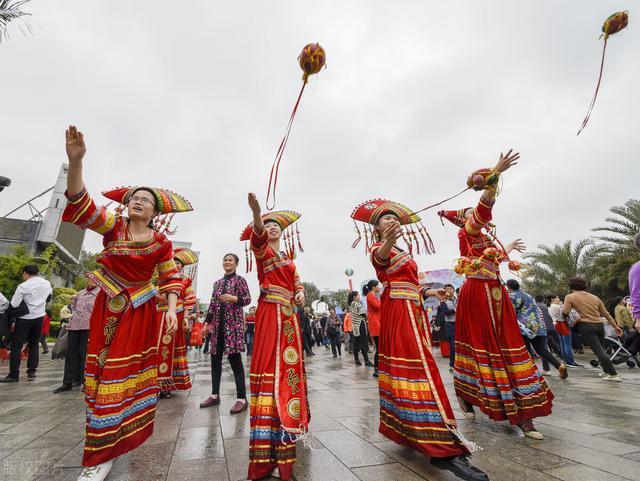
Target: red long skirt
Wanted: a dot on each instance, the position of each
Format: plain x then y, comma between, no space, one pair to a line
269,447
173,367
414,408
121,385
493,369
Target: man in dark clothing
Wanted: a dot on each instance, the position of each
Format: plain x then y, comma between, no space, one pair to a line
447,311
305,328
553,338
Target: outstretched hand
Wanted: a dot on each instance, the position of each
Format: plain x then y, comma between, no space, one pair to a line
392,233
253,203
507,161
516,245
75,145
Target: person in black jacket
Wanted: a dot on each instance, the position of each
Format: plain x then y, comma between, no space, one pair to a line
305,329
446,314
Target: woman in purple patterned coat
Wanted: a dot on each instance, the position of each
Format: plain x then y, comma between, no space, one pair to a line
226,320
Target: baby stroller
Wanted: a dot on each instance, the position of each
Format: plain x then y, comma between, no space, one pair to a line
616,351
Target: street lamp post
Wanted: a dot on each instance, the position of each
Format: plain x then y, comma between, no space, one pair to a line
349,273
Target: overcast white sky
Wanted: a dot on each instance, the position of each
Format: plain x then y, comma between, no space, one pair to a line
194,96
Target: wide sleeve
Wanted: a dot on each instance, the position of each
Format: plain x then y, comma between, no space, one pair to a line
212,303
259,243
168,275
482,213
243,294
189,295
82,211
375,260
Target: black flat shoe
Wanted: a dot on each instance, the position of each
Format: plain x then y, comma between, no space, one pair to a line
461,467
369,364
9,379
76,384
63,388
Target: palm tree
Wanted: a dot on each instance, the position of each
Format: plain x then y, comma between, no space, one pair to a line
11,11
612,269
549,268
624,226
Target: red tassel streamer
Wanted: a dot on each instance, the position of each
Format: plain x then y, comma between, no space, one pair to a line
359,238
366,240
415,239
275,167
595,95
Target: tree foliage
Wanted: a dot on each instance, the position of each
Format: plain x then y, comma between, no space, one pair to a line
61,297
611,269
88,263
604,260
11,270
549,268
11,267
11,12
338,298
311,293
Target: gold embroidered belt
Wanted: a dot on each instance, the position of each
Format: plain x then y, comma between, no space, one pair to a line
403,290
277,295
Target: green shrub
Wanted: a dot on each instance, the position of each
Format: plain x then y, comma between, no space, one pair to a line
54,330
61,297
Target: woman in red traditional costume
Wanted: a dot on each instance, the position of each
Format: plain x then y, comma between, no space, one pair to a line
493,369
279,412
173,368
372,290
414,408
121,385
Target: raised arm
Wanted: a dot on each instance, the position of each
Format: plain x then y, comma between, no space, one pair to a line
258,225
482,213
76,149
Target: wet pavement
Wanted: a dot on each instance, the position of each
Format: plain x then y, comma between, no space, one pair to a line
593,434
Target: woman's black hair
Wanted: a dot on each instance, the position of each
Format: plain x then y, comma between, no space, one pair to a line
352,296
237,259
367,288
577,284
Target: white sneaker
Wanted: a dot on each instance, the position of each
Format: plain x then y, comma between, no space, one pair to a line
96,473
609,377
602,374
546,373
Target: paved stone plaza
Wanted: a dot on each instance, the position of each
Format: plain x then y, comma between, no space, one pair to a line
593,434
